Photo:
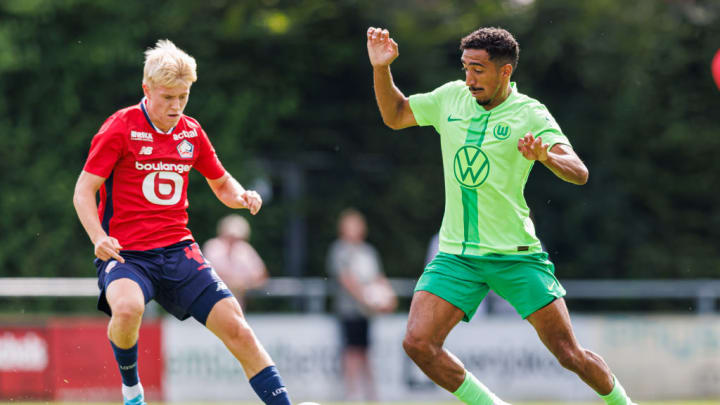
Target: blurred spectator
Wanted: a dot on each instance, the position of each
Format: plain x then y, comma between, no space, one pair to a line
363,291
432,248
233,258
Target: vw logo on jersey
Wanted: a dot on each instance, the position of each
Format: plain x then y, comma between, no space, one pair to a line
471,166
185,149
502,130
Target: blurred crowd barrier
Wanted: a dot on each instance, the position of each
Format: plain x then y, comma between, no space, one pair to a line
656,356
68,359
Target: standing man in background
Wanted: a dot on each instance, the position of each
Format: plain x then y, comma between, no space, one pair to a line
490,137
139,161
362,291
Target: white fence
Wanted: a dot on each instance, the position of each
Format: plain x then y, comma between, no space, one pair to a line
311,292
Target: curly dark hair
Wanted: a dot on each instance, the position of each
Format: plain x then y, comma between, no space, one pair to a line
497,42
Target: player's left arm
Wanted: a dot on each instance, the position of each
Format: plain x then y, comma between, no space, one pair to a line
561,159
232,194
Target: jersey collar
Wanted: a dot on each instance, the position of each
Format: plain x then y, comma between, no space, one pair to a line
143,107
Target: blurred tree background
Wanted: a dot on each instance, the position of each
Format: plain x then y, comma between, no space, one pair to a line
285,93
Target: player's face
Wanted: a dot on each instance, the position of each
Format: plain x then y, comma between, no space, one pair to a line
484,78
165,105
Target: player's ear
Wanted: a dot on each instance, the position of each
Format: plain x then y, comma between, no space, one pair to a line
506,70
146,89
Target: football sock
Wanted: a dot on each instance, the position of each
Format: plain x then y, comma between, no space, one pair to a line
617,396
127,362
269,387
473,392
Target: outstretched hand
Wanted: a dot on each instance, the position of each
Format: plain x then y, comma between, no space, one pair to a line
382,49
533,148
252,201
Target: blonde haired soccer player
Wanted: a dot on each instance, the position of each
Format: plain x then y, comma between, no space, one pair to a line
139,162
491,135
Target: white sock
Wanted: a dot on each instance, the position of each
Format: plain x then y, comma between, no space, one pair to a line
132,392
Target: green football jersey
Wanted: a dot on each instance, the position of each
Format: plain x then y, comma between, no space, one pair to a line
485,174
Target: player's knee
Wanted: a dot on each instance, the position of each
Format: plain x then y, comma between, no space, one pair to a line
417,348
569,356
238,332
127,310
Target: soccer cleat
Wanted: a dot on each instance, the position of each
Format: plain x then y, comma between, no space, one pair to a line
138,400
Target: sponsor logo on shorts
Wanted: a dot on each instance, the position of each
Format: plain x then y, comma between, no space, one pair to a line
185,149
161,166
110,266
185,134
141,136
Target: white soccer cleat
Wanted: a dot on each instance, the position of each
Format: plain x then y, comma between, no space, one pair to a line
134,395
138,400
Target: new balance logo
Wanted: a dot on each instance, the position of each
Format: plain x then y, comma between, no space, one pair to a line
141,136
146,150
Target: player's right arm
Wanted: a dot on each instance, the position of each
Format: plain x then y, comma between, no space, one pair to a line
86,188
394,106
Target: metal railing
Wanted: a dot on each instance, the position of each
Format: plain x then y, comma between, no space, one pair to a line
313,291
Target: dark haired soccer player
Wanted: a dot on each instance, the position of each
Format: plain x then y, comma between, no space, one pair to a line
139,160
490,135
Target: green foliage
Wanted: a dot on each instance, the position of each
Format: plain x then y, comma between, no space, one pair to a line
285,86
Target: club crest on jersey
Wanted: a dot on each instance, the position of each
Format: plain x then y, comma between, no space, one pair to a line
502,131
186,149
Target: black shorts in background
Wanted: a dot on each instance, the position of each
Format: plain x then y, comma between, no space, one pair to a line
355,332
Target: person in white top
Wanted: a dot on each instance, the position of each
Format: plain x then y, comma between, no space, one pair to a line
236,262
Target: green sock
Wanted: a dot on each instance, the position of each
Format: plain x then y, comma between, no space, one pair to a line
473,392
617,396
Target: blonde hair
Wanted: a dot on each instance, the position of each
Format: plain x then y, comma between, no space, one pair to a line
169,66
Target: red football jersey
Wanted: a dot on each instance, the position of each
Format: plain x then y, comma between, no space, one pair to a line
143,202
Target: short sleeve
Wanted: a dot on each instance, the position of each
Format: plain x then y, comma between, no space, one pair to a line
208,163
544,125
427,107
106,149
334,259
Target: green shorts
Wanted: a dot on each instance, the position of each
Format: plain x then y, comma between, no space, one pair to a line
527,282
